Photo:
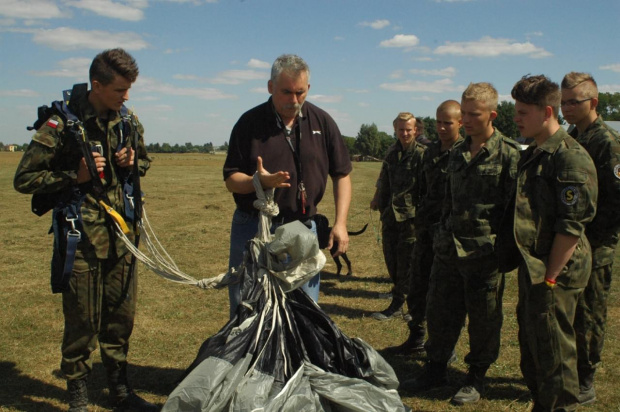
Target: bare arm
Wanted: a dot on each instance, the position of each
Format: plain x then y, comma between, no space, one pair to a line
242,183
342,201
561,251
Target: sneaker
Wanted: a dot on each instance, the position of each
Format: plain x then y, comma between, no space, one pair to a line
78,395
586,396
467,394
407,317
387,314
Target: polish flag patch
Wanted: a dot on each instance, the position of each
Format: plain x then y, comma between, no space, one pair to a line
52,123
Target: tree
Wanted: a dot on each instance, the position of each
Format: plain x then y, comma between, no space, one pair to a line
504,122
350,143
371,142
609,106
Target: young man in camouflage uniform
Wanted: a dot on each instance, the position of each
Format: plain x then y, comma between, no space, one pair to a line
579,102
432,188
99,301
555,198
396,198
465,280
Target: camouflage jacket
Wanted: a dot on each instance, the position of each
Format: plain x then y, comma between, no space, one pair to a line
398,186
476,194
51,162
432,184
556,193
603,145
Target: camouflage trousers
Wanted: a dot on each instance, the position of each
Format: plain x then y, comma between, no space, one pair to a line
419,275
591,319
547,343
459,288
100,306
398,239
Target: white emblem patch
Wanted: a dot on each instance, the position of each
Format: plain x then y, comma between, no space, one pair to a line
617,171
569,195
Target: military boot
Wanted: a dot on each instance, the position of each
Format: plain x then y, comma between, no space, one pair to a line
122,397
473,388
395,310
414,343
78,395
587,394
433,376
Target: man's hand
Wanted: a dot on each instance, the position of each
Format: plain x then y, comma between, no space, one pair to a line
339,234
124,157
83,175
271,180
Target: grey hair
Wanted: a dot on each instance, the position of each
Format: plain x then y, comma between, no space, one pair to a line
289,63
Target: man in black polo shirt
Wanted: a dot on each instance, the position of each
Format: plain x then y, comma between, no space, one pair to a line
299,141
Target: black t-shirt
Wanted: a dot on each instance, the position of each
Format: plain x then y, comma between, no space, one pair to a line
323,152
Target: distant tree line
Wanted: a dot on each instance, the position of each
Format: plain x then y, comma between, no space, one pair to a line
371,142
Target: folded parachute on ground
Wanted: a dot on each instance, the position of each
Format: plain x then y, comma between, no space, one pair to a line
281,352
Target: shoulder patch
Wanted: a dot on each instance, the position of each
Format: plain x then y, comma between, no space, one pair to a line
617,171
569,195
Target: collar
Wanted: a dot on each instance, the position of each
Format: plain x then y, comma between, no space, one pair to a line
553,142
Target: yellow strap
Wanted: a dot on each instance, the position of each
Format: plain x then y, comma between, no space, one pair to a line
116,216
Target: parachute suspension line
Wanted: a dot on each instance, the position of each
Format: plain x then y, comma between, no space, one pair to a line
158,260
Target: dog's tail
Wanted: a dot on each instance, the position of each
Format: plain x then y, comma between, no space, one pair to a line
359,232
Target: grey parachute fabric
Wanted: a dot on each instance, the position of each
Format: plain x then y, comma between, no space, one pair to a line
281,352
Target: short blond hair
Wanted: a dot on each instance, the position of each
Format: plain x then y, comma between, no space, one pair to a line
404,116
450,107
482,92
574,79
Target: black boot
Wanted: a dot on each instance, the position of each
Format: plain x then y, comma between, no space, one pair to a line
414,343
433,376
395,310
122,397
473,388
78,395
587,394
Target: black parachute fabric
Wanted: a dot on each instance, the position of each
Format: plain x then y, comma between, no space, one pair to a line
281,352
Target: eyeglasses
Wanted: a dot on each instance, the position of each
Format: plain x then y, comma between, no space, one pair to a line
573,102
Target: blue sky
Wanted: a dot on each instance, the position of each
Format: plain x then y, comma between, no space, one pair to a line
204,63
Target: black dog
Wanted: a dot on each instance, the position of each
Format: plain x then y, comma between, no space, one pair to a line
323,230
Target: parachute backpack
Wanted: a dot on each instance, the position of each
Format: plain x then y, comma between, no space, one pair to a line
66,204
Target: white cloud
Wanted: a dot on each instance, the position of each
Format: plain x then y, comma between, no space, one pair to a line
65,38
396,74
261,90
321,98
439,86
613,67
258,64
401,40
150,85
239,76
76,67
29,9
108,8
377,24
18,93
609,88
446,72
490,47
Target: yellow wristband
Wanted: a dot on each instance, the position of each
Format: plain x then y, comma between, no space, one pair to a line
550,282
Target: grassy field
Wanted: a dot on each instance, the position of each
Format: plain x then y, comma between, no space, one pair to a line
191,211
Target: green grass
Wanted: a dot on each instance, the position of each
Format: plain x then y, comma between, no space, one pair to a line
190,209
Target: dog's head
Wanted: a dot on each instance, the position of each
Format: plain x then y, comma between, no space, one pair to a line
322,230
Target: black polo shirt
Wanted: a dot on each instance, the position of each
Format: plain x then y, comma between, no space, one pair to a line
322,153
